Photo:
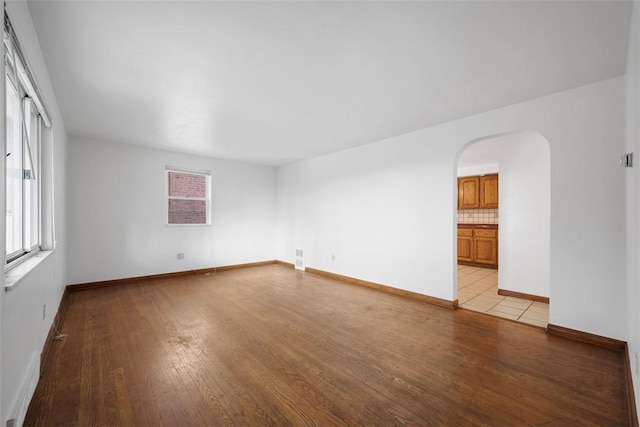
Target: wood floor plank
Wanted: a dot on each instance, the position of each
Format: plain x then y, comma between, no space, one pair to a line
271,346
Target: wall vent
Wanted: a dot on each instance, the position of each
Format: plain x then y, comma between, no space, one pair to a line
299,265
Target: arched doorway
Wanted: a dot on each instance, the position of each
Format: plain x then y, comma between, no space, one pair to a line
519,288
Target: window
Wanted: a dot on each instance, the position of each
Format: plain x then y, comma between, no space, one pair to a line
24,117
188,197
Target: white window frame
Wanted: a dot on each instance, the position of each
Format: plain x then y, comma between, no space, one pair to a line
29,136
31,118
207,199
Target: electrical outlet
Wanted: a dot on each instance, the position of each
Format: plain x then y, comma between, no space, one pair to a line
637,364
180,255
44,315
333,257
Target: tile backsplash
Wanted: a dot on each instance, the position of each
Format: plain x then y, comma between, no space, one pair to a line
478,216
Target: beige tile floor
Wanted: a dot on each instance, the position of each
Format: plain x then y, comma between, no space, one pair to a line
478,291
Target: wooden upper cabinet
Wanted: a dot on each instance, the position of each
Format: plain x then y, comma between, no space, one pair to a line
489,191
468,192
478,192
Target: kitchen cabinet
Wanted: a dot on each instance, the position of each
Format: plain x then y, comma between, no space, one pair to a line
469,192
489,191
478,192
478,246
465,245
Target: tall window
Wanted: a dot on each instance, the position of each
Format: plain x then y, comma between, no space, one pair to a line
188,200
23,123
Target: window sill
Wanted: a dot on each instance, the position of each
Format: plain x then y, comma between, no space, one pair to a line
19,272
188,225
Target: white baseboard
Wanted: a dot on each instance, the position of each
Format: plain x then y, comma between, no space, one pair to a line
28,387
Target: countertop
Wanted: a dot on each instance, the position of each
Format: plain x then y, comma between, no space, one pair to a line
485,226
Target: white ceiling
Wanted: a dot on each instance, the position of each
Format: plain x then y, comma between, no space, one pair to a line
274,82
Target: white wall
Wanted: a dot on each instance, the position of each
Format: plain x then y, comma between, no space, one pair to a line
117,213
23,328
524,214
482,169
387,209
522,159
633,195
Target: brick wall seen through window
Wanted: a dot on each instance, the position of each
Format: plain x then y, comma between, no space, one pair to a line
187,197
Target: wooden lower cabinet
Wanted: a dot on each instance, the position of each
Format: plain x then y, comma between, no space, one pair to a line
478,246
465,245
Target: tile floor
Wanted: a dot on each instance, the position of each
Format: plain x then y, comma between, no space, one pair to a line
478,291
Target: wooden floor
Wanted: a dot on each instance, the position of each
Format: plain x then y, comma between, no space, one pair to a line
271,346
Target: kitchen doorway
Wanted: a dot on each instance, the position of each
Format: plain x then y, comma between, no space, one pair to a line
503,238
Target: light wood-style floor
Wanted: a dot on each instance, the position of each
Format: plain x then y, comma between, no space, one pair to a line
478,291
272,346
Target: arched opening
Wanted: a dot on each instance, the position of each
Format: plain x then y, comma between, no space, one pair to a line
514,282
